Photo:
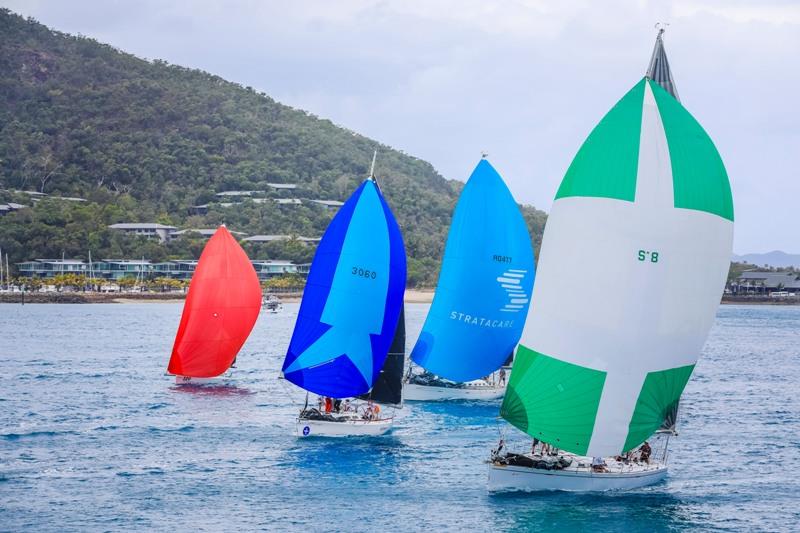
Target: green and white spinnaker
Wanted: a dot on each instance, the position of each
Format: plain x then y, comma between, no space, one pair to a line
632,266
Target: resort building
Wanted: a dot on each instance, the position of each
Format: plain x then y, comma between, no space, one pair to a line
198,209
9,207
270,268
272,238
229,194
283,186
146,229
121,268
760,282
329,204
178,269
115,269
205,233
48,268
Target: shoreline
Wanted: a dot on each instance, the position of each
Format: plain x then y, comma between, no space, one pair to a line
411,296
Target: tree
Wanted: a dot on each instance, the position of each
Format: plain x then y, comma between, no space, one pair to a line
143,141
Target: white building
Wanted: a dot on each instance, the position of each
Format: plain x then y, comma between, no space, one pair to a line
146,229
329,204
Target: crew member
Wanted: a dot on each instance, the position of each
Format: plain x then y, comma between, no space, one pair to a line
599,465
645,451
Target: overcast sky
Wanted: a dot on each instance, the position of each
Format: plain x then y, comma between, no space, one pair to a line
524,80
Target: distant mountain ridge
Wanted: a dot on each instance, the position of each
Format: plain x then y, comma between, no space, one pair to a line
776,258
144,141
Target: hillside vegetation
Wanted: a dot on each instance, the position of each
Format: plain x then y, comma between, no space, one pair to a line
143,141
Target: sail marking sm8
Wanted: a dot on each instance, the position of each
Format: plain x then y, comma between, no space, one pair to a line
644,219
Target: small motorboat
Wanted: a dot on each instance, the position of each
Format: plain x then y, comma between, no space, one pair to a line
271,304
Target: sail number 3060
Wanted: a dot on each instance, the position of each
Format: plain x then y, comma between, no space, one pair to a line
644,255
364,273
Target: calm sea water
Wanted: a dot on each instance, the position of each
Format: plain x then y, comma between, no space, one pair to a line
93,436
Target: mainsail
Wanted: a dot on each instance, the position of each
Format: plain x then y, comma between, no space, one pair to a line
646,208
352,300
388,387
220,310
484,288
658,70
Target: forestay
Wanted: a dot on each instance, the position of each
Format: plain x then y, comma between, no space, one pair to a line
352,300
484,288
633,263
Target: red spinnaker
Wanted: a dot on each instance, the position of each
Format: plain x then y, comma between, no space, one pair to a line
220,311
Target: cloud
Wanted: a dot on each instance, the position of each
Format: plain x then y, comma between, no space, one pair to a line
525,80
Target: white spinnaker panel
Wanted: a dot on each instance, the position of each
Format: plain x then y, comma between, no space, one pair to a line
595,304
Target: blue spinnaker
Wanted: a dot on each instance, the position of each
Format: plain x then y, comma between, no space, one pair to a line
352,300
484,289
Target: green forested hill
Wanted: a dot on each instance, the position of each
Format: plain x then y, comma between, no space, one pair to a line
142,141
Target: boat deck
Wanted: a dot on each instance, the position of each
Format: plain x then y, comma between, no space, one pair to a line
582,464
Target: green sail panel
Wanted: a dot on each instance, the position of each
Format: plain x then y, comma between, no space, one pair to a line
606,165
646,203
661,391
552,400
699,178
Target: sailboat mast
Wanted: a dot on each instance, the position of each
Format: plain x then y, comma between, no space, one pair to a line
372,166
658,69
1,267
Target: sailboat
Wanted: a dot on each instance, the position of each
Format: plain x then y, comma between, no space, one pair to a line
349,317
219,313
646,206
481,300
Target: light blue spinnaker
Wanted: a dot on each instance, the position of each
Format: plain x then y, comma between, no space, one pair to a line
352,300
484,289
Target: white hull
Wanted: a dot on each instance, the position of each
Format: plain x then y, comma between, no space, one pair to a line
345,428
424,393
504,478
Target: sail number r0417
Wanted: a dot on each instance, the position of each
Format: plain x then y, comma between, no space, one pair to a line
364,273
645,255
